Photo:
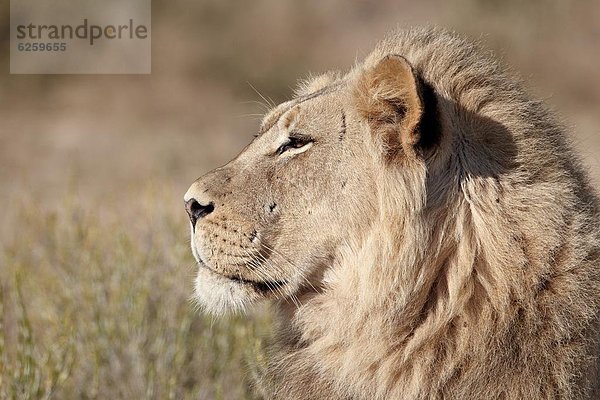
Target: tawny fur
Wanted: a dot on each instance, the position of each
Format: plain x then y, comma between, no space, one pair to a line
478,276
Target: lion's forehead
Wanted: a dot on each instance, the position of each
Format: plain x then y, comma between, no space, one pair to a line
319,101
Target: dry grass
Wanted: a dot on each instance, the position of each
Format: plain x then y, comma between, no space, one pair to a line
95,271
95,309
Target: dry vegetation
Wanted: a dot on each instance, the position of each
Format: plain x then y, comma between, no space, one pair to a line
95,271
96,309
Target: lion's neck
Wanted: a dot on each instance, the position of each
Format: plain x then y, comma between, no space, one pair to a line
391,299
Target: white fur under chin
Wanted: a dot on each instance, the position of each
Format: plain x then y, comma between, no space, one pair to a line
218,295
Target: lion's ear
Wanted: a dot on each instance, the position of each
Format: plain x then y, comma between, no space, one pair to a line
389,95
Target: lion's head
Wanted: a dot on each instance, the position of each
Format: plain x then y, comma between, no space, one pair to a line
269,223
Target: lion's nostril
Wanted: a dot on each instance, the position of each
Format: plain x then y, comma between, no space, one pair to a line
196,210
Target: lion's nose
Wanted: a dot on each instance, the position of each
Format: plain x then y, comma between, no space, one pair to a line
196,210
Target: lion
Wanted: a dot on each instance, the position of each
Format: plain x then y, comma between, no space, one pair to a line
423,228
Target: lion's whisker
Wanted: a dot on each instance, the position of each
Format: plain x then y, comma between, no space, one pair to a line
295,268
265,272
264,275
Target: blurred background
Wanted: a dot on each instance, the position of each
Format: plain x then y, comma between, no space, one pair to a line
95,271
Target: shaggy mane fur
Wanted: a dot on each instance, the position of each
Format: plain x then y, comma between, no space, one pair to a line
480,278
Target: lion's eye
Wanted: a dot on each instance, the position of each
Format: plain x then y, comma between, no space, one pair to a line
294,143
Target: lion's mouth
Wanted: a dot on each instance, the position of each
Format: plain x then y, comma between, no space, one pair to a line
259,286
